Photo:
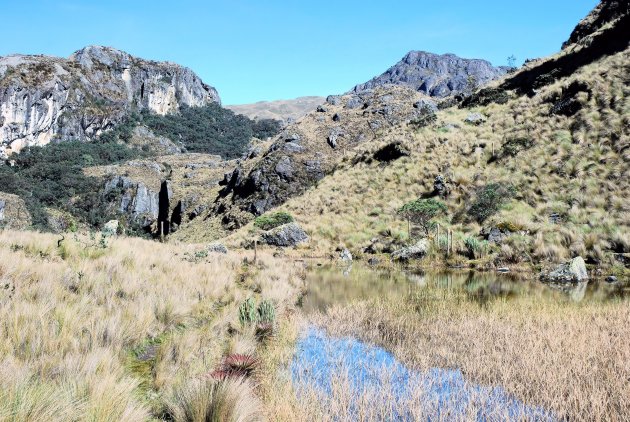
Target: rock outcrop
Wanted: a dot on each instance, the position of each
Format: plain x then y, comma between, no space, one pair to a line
44,99
417,251
287,235
436,75
605,12
305,152
573,271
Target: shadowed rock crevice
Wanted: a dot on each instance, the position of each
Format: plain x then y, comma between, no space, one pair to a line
163,224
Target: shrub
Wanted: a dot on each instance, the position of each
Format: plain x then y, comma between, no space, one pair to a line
247,313
273,220
266,312
515,145
422,211
210,129
489,199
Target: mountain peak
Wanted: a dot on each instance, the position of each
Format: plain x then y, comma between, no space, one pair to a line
437,75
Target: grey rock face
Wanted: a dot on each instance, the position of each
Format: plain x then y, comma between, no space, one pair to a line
138,201
436,75
417,251
2,206
290,234
426,105
284,168
49,98
494,235
573,271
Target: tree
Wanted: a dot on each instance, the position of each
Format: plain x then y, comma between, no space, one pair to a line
512,61
421,212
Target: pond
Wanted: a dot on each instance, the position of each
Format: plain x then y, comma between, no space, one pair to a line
334,284
354,380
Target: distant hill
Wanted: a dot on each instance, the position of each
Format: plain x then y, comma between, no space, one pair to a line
436,75
283,110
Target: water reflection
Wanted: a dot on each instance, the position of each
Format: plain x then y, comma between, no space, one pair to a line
330,285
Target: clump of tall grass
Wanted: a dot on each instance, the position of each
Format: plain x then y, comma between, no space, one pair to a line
202,400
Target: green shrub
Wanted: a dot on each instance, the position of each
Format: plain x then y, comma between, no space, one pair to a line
273,220
52,176
266,312
489,199
422,211
210,129
247,313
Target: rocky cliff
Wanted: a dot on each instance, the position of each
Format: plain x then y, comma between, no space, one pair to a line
605,13
45,99
436,75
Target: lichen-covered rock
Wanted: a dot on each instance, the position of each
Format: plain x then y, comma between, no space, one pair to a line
475,119
572,271
45,98
417,251
345,255
110,228
217,248
290,234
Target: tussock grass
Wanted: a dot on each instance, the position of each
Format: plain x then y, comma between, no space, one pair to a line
571,359
107,333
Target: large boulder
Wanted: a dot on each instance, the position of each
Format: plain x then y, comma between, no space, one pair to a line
217,247
110,228
417,251
572,271
290,234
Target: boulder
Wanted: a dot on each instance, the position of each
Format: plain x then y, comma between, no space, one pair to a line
440,186
493,234
611,279
336,117
2,206
572,271
290,234
345,255
426,105
110,228
284,168
321,109
391,152
217,248
475,119
334,99
417,251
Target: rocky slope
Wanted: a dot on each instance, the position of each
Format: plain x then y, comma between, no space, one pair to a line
307,151
605,13
286,111
436,75
44,99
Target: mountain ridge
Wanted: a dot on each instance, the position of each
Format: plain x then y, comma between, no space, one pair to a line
46,98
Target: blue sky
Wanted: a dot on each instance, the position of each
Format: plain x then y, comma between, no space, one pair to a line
253,50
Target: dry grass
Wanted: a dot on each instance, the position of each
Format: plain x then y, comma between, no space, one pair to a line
110,332
570,358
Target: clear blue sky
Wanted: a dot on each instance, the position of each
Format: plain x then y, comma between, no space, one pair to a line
253,50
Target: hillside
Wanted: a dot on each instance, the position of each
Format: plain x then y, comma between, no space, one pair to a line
44,99
555,146
285,111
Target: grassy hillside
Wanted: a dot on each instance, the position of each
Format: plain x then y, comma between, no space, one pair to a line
574,167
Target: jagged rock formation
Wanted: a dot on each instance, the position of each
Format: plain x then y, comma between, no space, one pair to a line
604,13
44,99
308,150
436,75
